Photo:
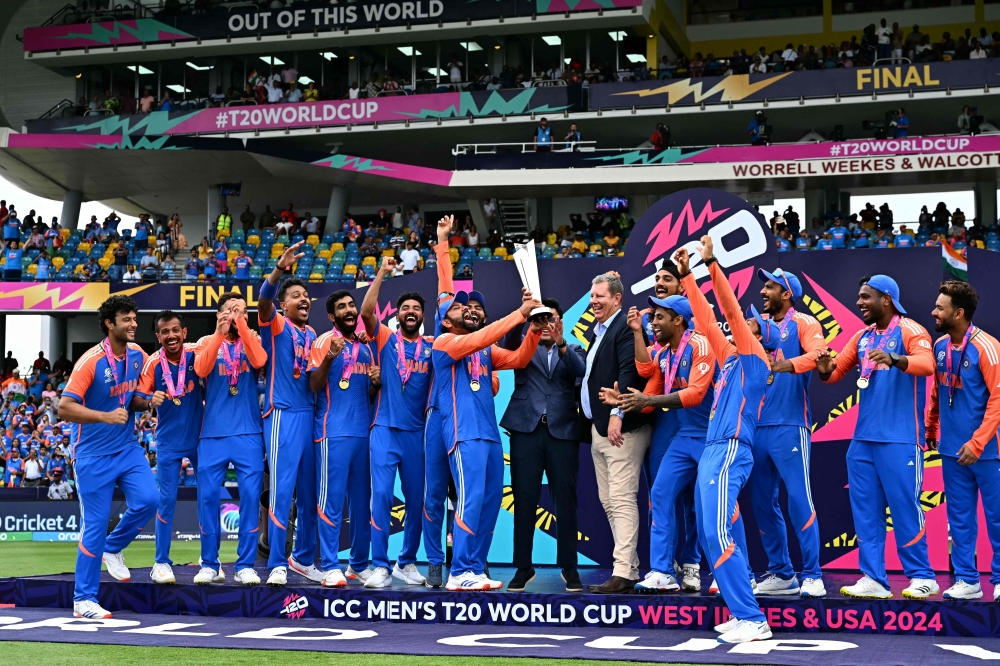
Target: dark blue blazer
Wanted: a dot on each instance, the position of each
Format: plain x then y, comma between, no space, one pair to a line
537,390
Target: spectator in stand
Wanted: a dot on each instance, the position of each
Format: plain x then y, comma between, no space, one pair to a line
15,468
43,267
149,260
869,217
288,219
902,124
310,224
372,87
825,242
941,215
224,223
192,267
11,225
35,240
242,266
58,488
659,137
933,241
369,248
925,221
792,222
833,214
789,56
838,235
977,52
803,242
248,219
398,241
131,275
757,130
41,363
573,138
168,269
409,258
142,230
390,85
957,227
781,242
759,65
579,244
543,137
166,104
353,92
294,94
885,218
455,69
311,93
882,240
904,238
12,262
146,102
268,220
33,470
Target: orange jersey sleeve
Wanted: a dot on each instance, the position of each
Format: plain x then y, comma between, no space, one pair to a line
846,359
649,368
702,372
460,346
205,354
252,346
445,283
919,352
704,320
382,337
276,324
654,386
318,351
146,379
504,359
83,375
990,367
812,342
746,342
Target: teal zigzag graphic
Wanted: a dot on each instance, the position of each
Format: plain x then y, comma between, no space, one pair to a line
495,105
145,30
543,6
143,143
151,124
668,156
350,163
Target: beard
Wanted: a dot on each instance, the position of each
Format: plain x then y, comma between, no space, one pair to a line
459,324
343,326
411,328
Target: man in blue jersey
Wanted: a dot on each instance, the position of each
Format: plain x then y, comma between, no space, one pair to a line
962,424
242,263
726,463
885,461
288,420
228,360
102,396
170,371
345,378
398,428
783,444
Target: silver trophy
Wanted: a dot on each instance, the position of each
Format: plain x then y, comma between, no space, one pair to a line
527,268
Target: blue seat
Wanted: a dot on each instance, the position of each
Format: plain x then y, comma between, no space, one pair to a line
331,277
959,245
993,245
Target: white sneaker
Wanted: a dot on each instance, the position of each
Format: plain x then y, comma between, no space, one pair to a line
409,574
812,588
335,578
713,589
278,577
207,576
775,585
921,588
162,574
116,566
90,610
379,578
657,583
746,631
866,588
996,593
310,572
247,576
466,582
728,625
362,575
691,578
490,583
963,590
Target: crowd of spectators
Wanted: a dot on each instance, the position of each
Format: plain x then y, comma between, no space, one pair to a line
877,228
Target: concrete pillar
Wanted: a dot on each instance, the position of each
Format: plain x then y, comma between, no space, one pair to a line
340,200
543,213
832,196
815,200
70,218
986,201
54,331
478,217
845,205
216,202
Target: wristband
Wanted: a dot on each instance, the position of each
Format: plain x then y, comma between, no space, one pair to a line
268,290
710,261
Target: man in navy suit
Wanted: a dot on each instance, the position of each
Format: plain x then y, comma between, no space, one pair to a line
545,431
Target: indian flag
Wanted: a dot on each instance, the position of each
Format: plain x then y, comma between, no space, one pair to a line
954,261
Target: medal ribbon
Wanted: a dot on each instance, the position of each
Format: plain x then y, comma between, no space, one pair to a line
112,363
232,363
867,367
674,361
476,368
302,348
172,391
953,378
349,366
782,327
723,380
406,370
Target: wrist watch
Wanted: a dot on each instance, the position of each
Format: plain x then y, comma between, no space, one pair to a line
562,346
893,359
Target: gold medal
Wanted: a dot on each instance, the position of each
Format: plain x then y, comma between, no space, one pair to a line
862,382
296,373
344,383
474,385
233,390
712,415
770,379
177,401
666,409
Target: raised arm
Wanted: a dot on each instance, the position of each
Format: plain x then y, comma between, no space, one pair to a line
370,304
252,346
746,342
460,346
635,323
269,290
504,359
445,283
704,316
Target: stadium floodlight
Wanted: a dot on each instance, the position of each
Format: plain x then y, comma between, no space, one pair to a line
200,68
552,40
305,79
471,46
635,57
329,55
270,60
408,50
178,89
618,35
142,70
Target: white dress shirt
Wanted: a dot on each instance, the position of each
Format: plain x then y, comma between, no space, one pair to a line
599,332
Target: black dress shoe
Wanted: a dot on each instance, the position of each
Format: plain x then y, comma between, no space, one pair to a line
521,578
572,578
615,585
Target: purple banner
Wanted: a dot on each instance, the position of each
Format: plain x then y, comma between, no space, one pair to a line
792,85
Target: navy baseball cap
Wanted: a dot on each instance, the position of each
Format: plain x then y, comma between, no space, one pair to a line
770,334
678,304
887,285
478,297
446,304
788,280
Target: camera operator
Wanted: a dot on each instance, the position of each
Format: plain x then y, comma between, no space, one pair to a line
902,124
758,130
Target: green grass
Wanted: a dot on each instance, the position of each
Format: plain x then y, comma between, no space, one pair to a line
29,558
